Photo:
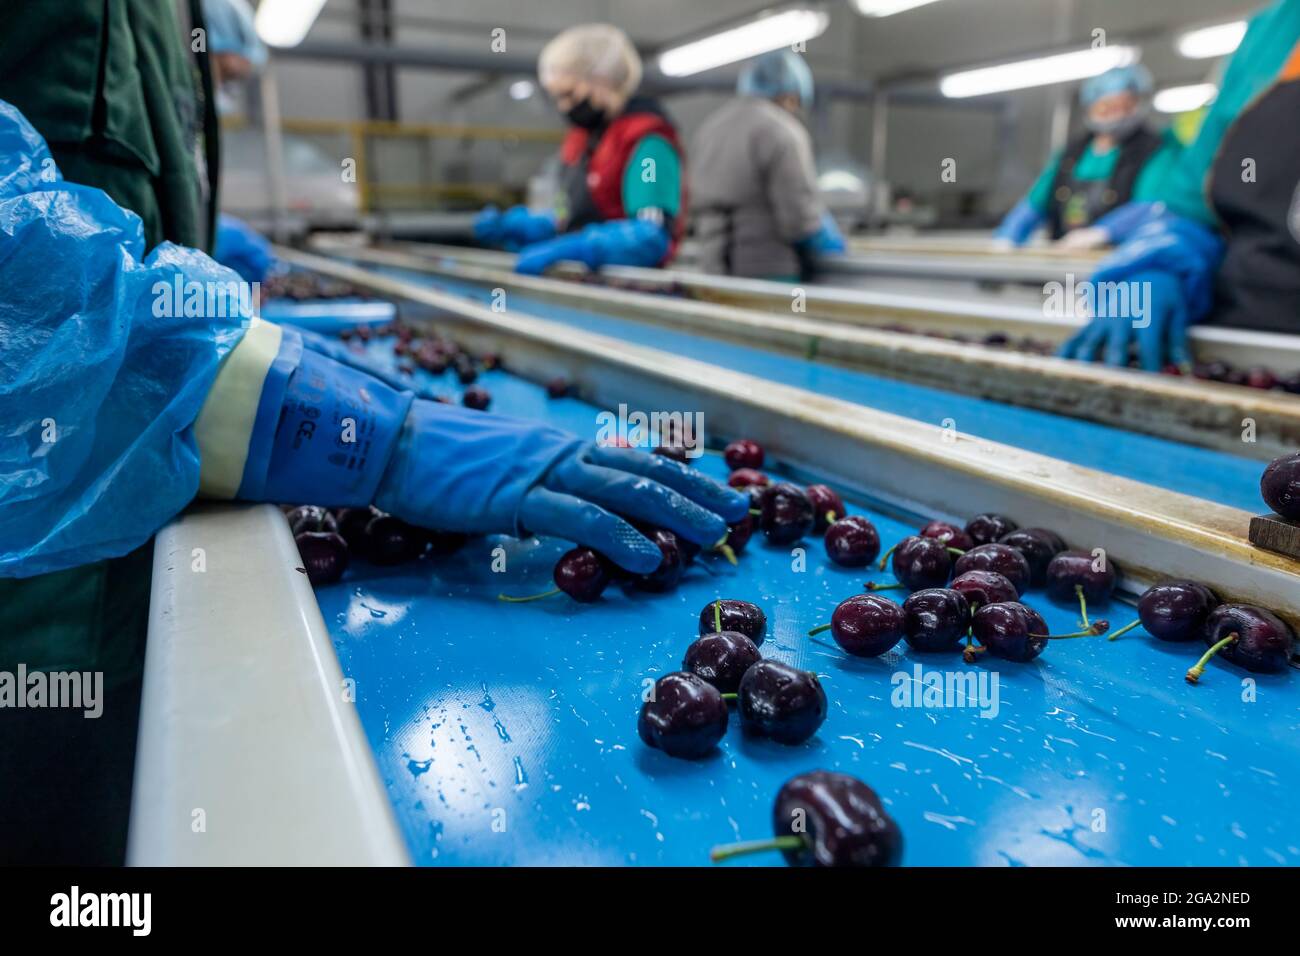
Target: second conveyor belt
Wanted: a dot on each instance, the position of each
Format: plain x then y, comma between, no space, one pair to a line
1215,476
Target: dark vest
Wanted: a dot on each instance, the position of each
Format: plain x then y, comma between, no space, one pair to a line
1076,203
594,163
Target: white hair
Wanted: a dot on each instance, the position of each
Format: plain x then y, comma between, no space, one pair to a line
592,51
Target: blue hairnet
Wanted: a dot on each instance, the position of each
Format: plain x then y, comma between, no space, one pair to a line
775,73
231,30
1134,78
98,391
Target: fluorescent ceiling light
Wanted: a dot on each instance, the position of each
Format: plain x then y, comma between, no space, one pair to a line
1212,41
284,23
887,8
521,89
770,32
1184,99
1040,71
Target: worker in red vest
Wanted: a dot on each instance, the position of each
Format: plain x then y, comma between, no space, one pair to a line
622,199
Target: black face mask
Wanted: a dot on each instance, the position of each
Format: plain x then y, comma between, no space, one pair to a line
585,115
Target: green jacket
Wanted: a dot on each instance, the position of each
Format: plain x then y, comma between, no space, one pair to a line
113,87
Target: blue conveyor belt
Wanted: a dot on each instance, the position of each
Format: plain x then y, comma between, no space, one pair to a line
1215,476
507,733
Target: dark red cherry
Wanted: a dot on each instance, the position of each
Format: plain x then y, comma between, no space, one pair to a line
1039,546
787,514
935,619
998,558
782,702
669,572
852,542
985,587
743,454
390,540
352,525
1096,575
324,555
738,534
732,615
949,534
1177,610
559,388
1280,486
745,477
828,506
867,625
311,518
921,563
476,397
721,659
1010,630
987,528
840,819
1263,644
686,716
583,574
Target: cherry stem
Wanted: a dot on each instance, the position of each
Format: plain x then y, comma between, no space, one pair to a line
957,551
1096,630
1196,670
726,551
831,517
717,617
1083,604
721,853
730,696
873,586
530,597
1124,630
756,511
819,629
884,558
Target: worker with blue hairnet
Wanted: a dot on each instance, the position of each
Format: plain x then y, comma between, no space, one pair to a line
757,209
120,403
1118,159
1220,240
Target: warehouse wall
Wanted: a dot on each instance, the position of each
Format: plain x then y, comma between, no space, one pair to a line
999,151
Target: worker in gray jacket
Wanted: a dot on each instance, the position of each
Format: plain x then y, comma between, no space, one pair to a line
753,182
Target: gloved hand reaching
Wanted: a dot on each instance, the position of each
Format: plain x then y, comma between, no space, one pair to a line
620,242
335,436
513,229
827,240
1019,224
1150,291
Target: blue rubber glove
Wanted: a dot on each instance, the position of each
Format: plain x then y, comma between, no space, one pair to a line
1019,224
242,248
1121,223
456,469
826,241
620,242
513,229
340,352
1150,291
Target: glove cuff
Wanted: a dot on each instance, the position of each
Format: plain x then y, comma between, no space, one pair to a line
323,432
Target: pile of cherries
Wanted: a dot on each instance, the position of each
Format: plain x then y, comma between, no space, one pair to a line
686,715
301,286
329,539
432,352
